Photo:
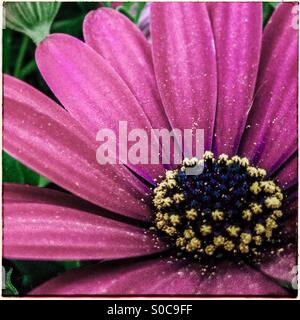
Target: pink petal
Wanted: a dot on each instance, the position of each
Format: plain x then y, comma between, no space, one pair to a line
291,213
43,136
144,21
291,224
49,225
241,280
237,29
121,43
90,89
185,65
292,201
272,135
159,276
287,175
282,266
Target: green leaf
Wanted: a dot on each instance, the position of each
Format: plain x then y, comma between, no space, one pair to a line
7,59
267,11
33,273
12,171
87,6
139,9
106,4
31,18
127,5
21,55
273,4
28,69
68,265
30,177
71,26
43,182
126,12
9,289
16,172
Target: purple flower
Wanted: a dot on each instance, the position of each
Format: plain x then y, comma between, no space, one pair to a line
212,67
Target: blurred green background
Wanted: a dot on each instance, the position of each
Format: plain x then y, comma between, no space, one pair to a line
18,61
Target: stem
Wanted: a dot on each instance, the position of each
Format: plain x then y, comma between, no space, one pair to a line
21,55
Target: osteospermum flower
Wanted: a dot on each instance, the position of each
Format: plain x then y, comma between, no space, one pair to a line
229,230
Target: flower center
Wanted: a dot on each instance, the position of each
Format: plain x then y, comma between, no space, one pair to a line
217,207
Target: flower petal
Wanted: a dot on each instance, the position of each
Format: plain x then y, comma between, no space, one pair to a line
291,215
185,65
121,43
291,222
144,21
91,90
158,276
271,137
292,202
44,224
237,31
282,266
241,280
287,175
42,135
